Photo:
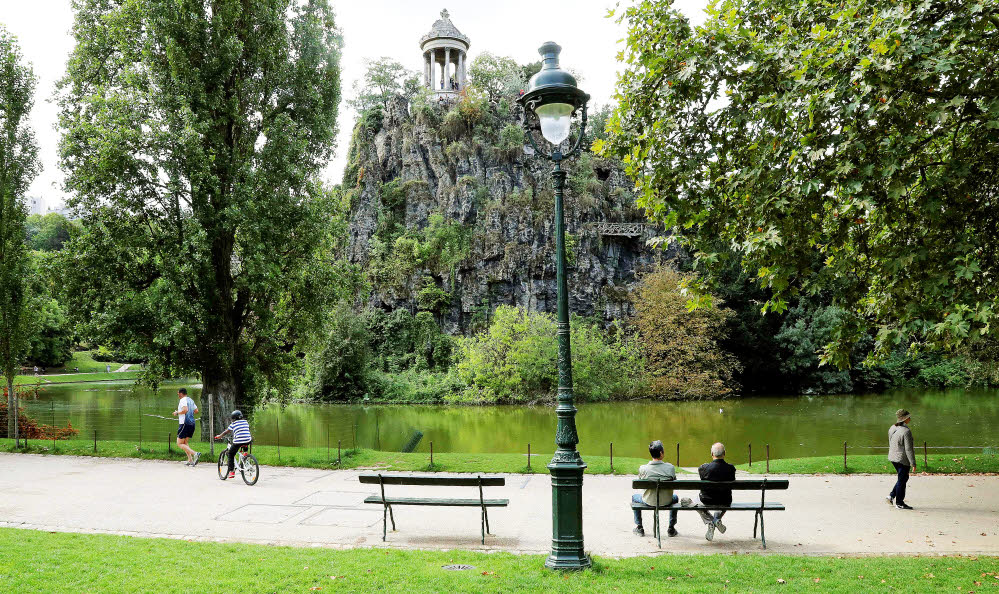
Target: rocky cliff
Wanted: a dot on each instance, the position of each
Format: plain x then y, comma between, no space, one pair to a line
449,215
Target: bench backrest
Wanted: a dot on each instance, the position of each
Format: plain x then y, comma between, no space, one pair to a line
430,480
737,485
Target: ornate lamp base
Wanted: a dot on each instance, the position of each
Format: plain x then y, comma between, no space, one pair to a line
567,515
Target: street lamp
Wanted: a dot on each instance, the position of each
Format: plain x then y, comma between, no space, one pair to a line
552,99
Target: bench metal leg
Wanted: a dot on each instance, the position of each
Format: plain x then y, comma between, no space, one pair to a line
658,531
756,519
763,536
392,517
384,523
485,512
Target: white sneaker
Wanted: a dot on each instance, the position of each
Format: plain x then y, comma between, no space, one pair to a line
197,455
685,502
720,526
710,535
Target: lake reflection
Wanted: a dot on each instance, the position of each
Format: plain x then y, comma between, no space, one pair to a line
793,426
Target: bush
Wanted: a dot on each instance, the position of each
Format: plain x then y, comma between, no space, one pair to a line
514,360
338,369
411,385
806,330
52,342
682,354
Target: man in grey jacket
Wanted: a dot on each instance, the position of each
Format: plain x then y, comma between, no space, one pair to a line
902,456
656,469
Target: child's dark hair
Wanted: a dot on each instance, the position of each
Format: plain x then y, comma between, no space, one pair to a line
182,391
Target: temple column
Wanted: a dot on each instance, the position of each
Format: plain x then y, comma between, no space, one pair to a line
461,70
426,69
447,68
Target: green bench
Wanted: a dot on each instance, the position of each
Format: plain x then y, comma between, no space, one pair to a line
761,485
434,481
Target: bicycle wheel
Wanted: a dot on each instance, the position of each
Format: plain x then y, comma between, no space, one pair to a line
223,465
250,470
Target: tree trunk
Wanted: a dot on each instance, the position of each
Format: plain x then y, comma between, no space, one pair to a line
11,411
226,393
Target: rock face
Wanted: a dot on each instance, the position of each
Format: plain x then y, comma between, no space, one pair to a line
458,223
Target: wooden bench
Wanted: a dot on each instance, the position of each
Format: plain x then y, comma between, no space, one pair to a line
435,481
761,485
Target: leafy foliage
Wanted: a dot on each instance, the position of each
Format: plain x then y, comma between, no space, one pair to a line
514,360
51,342
193,133
49,232
845,147
338,369
497,76
383,79
682,350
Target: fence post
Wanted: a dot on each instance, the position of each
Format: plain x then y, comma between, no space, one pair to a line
612,457
277,426
140,425
169,449
211,421
338,452
768,458
431,453
95,441
924,457
327,444
844,456
528,456
750,455
52,406
678,454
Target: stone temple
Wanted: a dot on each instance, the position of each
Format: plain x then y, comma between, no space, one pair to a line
445,56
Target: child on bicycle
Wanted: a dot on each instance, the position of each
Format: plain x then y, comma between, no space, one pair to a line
240,430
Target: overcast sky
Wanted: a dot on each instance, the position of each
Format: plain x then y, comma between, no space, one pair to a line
371,29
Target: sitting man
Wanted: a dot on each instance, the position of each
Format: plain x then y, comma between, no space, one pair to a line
656,469
716,470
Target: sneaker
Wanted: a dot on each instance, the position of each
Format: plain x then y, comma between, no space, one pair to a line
902,506
710,535
197,456
188,463
721,527
890,500
685,502
232,475
639,531
672,531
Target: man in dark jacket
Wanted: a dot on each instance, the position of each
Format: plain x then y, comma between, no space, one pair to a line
716,470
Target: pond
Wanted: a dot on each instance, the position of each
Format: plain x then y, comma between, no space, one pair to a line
792,425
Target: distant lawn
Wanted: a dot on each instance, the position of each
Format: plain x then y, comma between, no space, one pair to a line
32,561
878,464
156,449
30,380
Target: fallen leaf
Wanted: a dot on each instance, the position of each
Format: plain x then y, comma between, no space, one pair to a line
315,588
983,534
929,575
488,573
817,580
781,581
860,577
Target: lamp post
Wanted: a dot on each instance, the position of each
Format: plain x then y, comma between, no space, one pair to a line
550,102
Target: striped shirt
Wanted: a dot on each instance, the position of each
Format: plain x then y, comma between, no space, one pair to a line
240,431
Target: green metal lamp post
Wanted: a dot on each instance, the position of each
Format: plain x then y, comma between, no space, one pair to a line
552,99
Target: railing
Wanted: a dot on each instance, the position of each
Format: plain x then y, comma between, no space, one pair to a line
621,229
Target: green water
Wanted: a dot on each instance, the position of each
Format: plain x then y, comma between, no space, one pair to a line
793,426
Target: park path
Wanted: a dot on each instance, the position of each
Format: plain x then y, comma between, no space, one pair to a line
307,507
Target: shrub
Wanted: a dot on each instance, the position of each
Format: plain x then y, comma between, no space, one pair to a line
682,354
338,369
514,360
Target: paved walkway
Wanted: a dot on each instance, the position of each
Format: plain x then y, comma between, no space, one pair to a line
306,507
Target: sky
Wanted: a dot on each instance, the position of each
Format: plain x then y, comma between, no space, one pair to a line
371,29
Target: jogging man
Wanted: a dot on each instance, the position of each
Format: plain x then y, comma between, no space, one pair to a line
185,414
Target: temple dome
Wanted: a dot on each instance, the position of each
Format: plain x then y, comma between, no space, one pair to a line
444,29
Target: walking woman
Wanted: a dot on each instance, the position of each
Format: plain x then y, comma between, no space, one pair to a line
902,456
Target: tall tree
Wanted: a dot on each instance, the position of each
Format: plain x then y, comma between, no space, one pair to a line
18,166
383,79
193,131
498,76
843,146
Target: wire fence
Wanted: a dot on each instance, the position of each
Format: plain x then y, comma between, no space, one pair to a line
149,425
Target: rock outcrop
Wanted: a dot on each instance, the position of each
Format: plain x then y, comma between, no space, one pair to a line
450,215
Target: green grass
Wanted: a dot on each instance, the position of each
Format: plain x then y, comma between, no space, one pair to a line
316,457
878,464
32,561
86,363
72,378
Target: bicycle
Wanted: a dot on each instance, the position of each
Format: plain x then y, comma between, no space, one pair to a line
243,461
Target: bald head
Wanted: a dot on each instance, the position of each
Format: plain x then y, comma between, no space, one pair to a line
718,450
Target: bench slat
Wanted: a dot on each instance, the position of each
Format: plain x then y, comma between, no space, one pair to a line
769,506
431,480
738,485
438,502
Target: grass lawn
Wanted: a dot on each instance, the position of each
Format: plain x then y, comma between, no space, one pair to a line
32,561
316,457
72,378
878,464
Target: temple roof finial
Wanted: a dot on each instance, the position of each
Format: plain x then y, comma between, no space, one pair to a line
445,14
